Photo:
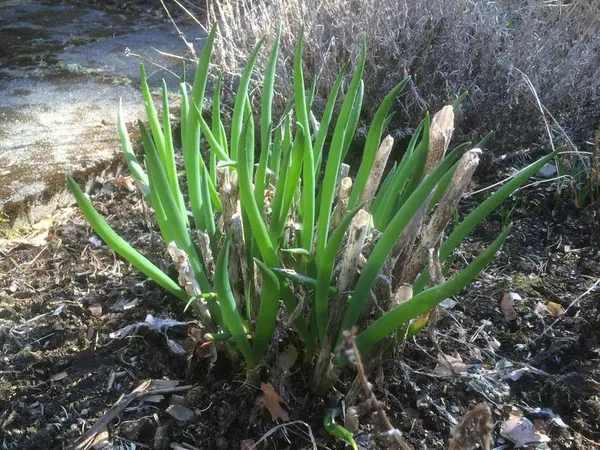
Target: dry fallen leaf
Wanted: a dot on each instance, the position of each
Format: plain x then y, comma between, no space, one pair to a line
507,306
449,366
287,358
555,309
475,427
126,182
273,402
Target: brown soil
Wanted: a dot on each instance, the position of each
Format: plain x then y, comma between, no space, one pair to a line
57,304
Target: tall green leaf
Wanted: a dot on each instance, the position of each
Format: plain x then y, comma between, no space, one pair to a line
372,143
231,315
266,122
308,168
237,120
121,246
335,156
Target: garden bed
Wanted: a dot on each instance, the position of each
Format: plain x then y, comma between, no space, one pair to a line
63,292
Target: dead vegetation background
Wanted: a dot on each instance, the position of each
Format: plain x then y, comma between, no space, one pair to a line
446,46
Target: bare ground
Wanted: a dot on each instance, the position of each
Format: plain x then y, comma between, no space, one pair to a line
61,371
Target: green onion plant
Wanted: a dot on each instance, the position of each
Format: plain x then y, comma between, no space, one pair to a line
270,220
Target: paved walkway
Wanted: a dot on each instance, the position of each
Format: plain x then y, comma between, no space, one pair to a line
62,72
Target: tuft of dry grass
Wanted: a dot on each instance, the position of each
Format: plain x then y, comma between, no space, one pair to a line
446,46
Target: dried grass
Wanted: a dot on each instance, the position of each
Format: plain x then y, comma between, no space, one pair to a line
447,46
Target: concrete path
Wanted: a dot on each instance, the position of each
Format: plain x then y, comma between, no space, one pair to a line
62,71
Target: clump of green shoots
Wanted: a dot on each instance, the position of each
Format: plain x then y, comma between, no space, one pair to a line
272,216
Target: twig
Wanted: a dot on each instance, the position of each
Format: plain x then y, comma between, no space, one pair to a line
351,350
181,35
143,390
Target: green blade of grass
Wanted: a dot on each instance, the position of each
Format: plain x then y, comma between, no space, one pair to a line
237,120
321,135
213,142
282,176
248,202
152,116
394,187
461,98
412,158
352,123
184,112
275,157
405,174
301,279
290,185
121,246
372,143
209,215
426,300
387,181
337,430
161,217
325,268
218,129
335,156
421,153
267,313
138,173
266,122
159,181
194,165
169,152
307,202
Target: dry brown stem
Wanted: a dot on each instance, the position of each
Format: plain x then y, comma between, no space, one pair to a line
377,171
441,216
357,234
440,134
351,351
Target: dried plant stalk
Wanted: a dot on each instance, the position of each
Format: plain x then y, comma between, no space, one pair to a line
226,193
238,268
357,234
342,174
207,255
441,216
370,400
341,206
188,281
404,246
440,134
377,170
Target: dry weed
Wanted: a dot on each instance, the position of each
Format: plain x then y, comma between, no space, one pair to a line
446,46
